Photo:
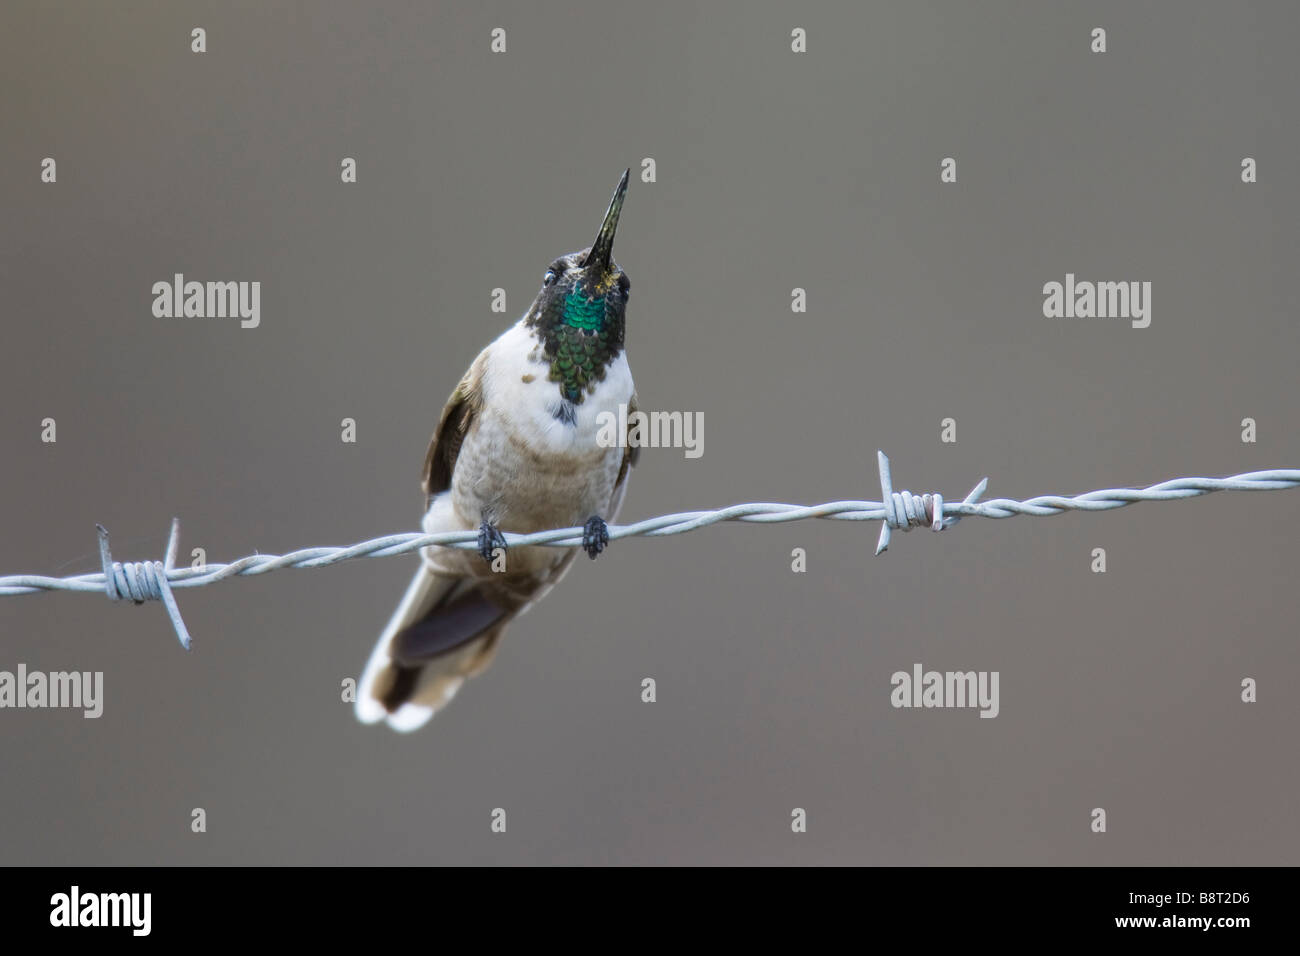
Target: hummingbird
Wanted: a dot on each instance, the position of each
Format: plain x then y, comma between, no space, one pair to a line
515,450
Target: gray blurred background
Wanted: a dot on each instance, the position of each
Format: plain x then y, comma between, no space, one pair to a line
775,170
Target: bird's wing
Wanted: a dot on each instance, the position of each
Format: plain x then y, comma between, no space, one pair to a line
457,417
631,454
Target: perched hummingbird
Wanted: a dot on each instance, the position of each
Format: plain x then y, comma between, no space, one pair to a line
515,450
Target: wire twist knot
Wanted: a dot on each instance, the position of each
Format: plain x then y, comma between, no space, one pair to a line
137,581
905,511
141,581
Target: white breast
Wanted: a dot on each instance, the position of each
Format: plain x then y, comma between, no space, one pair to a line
516,382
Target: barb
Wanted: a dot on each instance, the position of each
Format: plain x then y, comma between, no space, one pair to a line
899,511
144,581
905,511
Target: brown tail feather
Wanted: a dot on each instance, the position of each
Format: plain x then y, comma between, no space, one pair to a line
445,630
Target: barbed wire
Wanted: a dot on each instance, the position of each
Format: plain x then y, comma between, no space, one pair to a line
898,511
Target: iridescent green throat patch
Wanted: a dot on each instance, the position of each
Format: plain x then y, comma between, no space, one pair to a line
582,335
583,313
579,358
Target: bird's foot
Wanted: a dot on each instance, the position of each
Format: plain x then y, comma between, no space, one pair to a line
489,539
595,536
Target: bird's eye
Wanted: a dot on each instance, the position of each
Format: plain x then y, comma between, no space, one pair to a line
624,285
549,278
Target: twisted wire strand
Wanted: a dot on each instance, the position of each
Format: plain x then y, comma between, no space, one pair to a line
901,511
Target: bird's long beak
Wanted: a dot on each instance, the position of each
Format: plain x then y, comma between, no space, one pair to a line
602,250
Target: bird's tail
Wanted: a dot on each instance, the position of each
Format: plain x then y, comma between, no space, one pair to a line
445,630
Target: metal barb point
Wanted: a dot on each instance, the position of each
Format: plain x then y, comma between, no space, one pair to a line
886,499
970,499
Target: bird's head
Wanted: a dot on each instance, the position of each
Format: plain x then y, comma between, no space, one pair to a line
579,311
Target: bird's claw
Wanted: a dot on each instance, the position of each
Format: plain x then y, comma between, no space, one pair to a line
595,536
489,539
